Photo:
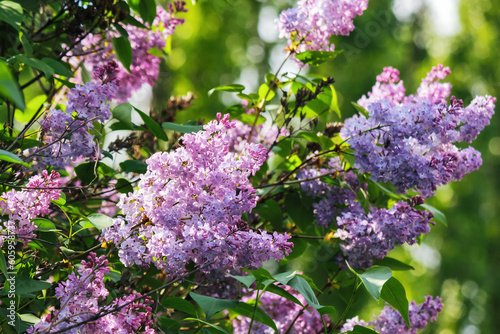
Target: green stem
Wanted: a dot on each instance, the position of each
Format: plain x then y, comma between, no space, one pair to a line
348,306
254,311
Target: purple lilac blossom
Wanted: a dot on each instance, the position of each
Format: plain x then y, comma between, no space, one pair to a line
24,205
145,65
371,236
310,24
66,133
188,208
283,312
409,140
390,321
333,200
81,296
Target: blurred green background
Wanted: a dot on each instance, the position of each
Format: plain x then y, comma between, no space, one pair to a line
234,41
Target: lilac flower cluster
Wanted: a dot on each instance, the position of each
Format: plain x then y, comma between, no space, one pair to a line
80,297
310,25
145,65
27,204
283,312
66,133
372,235
188,208
333,200
390,321
409,140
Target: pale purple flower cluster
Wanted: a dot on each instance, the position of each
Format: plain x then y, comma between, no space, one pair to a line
333,199
27,204
145,65
66,133
390,321
81,296
370,236
188,208
283,312
409,140
310,24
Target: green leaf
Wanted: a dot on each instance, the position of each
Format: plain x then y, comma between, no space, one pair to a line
59,67
374,279
87,172
263,276
385,190
439,217
266,92
123,51
247,310
270,211
45,225
61,200
180,304
123,113
212,305
300,214
11,157
145,8
393,264
123,186
100,221
11,13
362,330
283,293
301,285
329,98
247,280
394,293
9,88
3,264
221,330
154,127
361,110
182,128
316,58
169,325
120,29
236,88
38,64
25,285
33,106
285,277
134,166
86,76
21,322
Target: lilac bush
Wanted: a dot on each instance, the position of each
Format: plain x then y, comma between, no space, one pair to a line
180,237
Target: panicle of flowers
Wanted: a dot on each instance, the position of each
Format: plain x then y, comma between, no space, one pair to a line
98,50
333,200
390,321
66,133
310,24
81,296
24,205
188,208
409,140
283,312
371,236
